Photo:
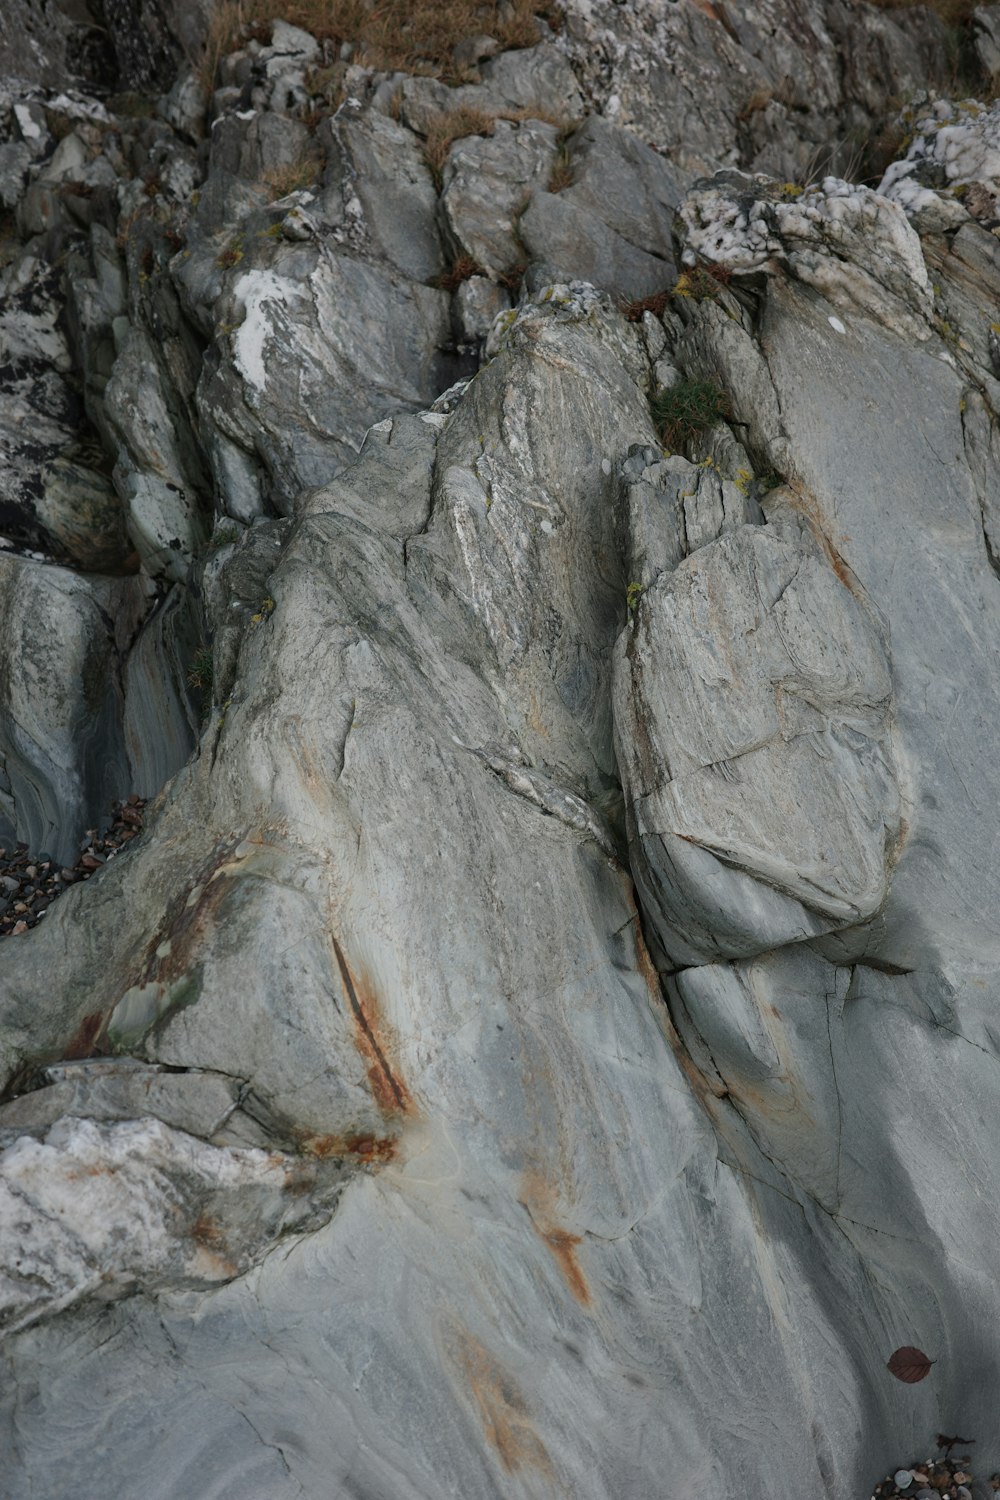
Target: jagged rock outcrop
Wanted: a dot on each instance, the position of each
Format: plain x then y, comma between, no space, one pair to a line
543,1039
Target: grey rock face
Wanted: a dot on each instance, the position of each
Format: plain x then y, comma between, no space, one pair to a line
487,181
565,240
60,734
628,186
762,751
353,364
543,1042
769,89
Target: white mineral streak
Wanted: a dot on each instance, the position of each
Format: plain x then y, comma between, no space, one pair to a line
263,295
959,141
94,1209
553,996
846,241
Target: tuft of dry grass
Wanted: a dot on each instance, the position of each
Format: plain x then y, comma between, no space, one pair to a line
460,270
701,283
657,304
512,277
413,36
562,171
453,125
297,174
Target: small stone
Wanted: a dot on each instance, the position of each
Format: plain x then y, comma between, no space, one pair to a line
473,49
91,862
19,927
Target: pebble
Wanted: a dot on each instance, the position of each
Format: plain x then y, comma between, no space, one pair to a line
29,883
945,1479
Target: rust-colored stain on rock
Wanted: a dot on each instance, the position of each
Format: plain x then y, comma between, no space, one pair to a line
213,1245
373,1149
538,1197
502,1408
372,1037
563,1246
190,917
809,507
208,1233
84,1042
708,1090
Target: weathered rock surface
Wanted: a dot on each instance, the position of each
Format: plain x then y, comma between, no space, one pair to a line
543,1040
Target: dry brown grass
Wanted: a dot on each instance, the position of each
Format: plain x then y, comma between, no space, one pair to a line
562,171
297,174
450,126
657,304
455,124
414,36
460,270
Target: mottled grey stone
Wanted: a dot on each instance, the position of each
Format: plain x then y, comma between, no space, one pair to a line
81,512
15,159
387,171
154,473
627,185
478,302
487,181
756,760
356,341
776,88
568,241
530,78
60,735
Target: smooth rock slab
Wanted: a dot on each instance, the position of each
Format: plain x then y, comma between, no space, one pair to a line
752,697
339,338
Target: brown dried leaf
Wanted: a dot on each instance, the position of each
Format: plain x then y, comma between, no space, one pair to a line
909,1364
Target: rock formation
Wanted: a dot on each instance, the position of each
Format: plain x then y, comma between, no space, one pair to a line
533,538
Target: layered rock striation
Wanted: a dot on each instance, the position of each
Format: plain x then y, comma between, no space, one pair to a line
533,539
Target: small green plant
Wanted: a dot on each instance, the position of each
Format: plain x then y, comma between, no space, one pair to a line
684,410
223,535
633,594
200,671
